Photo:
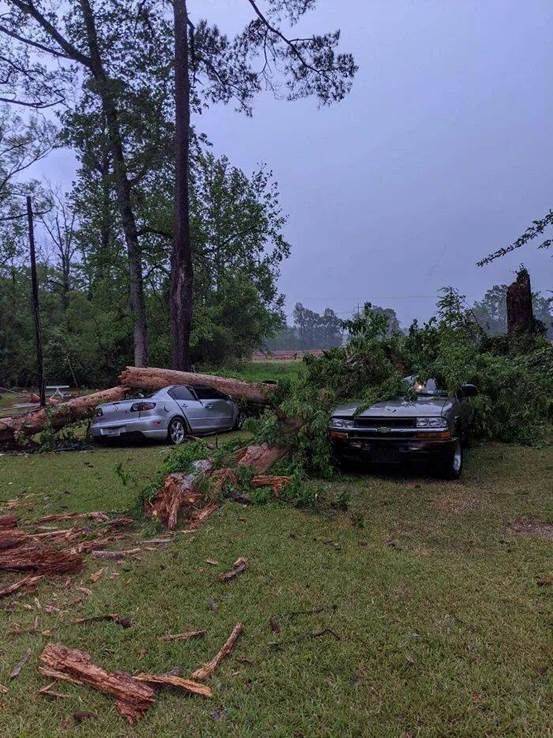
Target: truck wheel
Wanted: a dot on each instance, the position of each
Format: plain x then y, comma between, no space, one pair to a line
451,464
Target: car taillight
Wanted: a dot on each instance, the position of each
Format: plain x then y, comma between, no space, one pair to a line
99,412
140,407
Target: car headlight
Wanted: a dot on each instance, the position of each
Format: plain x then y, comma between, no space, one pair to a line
431,423
341,423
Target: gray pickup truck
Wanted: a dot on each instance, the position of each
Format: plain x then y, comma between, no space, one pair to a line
429,424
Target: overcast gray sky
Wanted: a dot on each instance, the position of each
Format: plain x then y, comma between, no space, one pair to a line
441,153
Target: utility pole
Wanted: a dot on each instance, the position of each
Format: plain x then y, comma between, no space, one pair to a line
36,310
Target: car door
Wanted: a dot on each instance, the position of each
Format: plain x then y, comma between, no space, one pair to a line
191,408
219,410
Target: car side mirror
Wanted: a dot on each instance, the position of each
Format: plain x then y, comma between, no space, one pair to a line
468,390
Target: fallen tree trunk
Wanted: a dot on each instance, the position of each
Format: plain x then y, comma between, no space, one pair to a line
134,697
15,428
150,378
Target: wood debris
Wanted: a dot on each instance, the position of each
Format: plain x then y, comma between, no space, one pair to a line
3,690
16,671
47,691
8,521
115,555
205,671
58,517
133,697
97,575
187,636
276,483
41,559
109,617
29,581
188,685
239,566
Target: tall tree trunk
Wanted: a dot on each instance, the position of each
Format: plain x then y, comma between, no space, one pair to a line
123,187
181,257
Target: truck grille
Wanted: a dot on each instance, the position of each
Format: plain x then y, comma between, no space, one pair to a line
385,422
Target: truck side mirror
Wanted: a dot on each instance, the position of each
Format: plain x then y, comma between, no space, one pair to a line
468,390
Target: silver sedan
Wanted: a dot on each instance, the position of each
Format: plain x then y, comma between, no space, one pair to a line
171,413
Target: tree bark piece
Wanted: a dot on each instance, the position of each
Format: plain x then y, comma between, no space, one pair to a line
29,581
109,617
261,457
188,635
40,559
175,681
205,671
239,566
8,521
16,428
150,378
133,697
16,671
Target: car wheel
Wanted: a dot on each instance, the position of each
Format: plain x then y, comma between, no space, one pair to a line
239,422
451,465
177,431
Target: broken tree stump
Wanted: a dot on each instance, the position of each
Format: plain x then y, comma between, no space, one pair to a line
520,313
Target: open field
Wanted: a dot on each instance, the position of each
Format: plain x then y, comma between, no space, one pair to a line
443,628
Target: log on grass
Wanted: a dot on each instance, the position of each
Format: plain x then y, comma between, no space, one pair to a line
13,429
150,378
134,698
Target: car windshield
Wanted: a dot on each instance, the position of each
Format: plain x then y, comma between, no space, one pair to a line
428,388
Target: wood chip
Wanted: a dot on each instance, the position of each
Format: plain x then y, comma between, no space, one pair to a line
49,692
16,671
174,681
112,616
29,581
97,575
239,566
3,690
115,555
188,635
205,671
213,562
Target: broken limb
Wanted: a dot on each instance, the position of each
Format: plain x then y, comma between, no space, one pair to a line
205,671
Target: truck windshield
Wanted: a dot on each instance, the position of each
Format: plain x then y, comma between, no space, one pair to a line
428,388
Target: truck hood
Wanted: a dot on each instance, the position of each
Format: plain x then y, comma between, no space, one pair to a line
397,408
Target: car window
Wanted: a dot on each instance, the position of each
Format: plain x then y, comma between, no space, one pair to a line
180,392
207,393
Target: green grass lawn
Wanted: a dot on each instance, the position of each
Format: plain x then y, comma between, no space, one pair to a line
443,629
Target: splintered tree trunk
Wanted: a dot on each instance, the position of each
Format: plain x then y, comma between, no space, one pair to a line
520,314
80,408
181,257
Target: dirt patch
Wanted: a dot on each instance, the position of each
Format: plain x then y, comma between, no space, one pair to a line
456,502
532,528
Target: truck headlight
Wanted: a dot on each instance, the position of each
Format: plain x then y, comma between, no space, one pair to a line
432,423
341,423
